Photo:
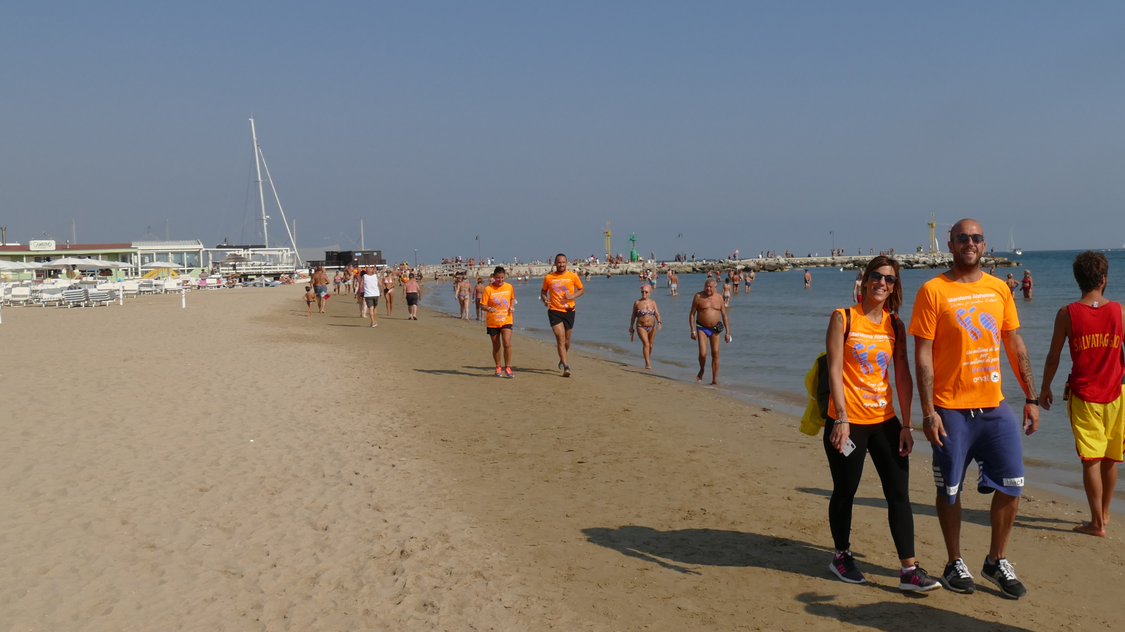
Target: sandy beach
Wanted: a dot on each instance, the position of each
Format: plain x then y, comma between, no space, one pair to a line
238,466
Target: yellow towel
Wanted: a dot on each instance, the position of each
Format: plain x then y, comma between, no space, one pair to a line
812,421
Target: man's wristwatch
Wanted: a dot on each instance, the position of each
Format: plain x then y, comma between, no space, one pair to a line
1032,401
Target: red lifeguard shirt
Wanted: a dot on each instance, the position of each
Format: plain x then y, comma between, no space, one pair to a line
1095,351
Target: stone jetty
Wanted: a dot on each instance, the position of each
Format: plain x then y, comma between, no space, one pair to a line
911,261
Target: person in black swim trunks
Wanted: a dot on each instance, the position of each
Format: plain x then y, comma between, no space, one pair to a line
708,316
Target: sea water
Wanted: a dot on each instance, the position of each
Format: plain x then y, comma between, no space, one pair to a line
778,329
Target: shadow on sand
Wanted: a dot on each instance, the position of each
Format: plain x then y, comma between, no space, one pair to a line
713,547
896,616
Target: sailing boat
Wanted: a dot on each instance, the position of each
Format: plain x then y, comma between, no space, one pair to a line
1012,244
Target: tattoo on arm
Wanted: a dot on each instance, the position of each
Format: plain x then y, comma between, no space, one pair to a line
1025,373
926,383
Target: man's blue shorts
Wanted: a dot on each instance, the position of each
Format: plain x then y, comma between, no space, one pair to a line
991,436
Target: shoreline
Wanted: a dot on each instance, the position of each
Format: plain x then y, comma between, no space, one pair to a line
401,486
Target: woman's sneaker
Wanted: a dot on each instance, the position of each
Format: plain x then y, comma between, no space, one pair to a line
1003,575
957,578
916,579
843,566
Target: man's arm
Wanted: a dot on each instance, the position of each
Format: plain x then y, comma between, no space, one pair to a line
1021,364
1061,333
691,315
924,365
726,323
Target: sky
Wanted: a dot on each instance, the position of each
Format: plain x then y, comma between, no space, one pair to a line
700,127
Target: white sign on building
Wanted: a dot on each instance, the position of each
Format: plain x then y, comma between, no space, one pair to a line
41,244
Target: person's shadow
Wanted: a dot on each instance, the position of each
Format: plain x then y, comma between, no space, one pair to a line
714,547
895,616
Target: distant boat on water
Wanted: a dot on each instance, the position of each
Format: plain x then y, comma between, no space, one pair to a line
1012,244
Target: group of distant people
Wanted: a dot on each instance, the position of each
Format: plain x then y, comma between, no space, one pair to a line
960,320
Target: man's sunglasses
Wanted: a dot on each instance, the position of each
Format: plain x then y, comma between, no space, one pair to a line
964,238
879,276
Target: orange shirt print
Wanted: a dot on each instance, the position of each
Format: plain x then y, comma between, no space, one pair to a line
965,321
499,299
556,284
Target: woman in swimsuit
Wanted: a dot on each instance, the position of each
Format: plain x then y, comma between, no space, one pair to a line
726,293
1026,285
464,292
337,280
646,317
389,290
1011,283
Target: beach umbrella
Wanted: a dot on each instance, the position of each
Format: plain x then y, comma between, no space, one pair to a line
81,264
18,265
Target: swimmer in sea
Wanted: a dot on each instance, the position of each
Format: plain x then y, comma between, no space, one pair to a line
310,298
808,279
726,293
708,318
646,317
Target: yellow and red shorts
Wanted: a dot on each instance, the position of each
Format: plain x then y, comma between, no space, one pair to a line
1099,429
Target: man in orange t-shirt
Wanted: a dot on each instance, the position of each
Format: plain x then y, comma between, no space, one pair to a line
498,301
560,288
959,320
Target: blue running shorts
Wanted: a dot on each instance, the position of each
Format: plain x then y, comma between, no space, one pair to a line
991,437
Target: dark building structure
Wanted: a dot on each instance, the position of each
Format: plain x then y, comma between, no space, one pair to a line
341,258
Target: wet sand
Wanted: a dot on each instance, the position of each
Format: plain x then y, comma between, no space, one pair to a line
237,466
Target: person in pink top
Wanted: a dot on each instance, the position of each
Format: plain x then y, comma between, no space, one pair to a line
1094,327
413,291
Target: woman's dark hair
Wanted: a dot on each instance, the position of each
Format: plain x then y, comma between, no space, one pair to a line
1089,268
894,301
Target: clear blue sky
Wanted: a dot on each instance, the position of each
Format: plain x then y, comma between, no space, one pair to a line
739,125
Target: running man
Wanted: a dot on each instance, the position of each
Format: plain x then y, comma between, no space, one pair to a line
498,301
708,316
371,284
560,288
1094,328
958,322
320,285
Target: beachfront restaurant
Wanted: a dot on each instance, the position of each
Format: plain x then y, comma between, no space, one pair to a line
186,253
48,250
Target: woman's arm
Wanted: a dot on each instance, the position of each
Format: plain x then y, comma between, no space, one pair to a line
834,347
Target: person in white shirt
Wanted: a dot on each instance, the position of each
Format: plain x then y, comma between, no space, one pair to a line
371,283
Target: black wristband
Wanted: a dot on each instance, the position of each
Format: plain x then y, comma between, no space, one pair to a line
1032,401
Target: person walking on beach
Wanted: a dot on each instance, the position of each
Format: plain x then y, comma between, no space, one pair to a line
310,298
1094,327
320,286
863,342
560,288
337,280
498,301
1026,285
808,280
371,284
708,317
958,321
413,291
387,280
726,292
464,292
646,317
478,292
857,289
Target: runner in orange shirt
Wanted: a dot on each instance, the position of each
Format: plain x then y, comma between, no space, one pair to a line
560,288
498,301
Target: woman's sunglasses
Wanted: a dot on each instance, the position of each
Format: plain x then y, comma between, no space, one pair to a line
879,276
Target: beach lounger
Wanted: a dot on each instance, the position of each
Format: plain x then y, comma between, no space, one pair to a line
172,285
98,297
20,296
146,286
74,298
50,296
130,288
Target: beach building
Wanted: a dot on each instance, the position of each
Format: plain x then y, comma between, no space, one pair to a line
339,259
48,250
186,253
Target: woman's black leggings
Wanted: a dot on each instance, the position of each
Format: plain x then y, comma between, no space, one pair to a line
881,440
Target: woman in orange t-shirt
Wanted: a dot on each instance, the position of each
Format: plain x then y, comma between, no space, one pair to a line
863,343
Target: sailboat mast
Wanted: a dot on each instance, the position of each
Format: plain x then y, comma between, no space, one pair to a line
261,192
